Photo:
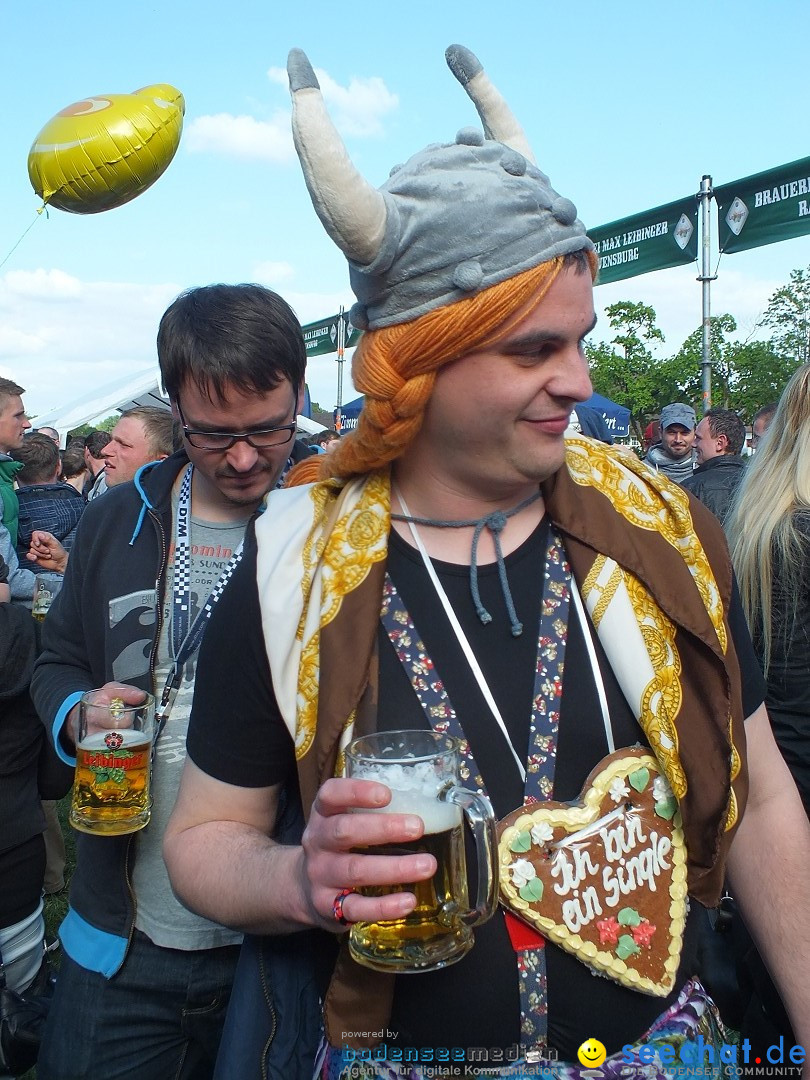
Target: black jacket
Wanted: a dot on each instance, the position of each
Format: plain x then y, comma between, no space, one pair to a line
715,483
29,770
104,625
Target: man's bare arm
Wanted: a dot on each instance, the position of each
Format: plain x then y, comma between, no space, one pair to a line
769,869
224,865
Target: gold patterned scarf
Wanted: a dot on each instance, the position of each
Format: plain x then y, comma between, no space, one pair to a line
655,575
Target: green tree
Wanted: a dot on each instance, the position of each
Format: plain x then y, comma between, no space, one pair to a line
788,317
321,415
107,424
691,354
745,374
624,369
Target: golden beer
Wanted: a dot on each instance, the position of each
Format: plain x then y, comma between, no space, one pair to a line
433,934
421,770
46,587
111,790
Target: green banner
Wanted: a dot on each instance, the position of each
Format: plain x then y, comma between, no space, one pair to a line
353,335
654,240
764,208
322,336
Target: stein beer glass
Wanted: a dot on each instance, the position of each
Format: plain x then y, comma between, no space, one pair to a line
111,789
421,770
46,586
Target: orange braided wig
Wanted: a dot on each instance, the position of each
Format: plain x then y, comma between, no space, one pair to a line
395,369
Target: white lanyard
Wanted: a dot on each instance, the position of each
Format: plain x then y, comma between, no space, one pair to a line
473,660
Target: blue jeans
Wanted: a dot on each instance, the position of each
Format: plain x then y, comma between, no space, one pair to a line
159,1018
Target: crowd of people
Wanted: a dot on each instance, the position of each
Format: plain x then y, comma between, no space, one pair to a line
461,563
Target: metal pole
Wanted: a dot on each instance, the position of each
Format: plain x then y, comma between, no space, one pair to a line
341,341
705,197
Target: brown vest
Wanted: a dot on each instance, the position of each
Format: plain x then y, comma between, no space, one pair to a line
709,723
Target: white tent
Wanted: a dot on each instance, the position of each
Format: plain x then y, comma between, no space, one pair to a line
142,388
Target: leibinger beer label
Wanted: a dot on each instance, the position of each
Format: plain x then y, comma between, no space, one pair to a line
106,754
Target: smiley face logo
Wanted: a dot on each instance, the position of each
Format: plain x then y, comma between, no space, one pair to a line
591,1054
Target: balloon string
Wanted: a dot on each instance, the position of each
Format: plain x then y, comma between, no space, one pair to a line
30,227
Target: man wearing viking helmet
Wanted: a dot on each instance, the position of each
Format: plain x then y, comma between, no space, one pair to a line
567,616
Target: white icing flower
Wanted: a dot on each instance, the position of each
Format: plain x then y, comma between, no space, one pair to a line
542,833
522,873
618,790
661,789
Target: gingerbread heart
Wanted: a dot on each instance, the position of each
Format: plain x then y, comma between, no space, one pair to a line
604,877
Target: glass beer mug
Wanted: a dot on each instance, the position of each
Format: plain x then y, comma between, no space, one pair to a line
421,769
113,751
46,586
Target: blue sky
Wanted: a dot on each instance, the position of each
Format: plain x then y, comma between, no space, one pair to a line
626,104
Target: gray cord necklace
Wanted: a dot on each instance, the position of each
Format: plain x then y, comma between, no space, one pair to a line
495,522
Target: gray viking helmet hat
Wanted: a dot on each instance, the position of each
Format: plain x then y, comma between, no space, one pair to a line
456,218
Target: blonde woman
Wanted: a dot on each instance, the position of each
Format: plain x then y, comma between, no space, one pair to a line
769,536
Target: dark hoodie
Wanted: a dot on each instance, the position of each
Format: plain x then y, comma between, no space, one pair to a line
660,461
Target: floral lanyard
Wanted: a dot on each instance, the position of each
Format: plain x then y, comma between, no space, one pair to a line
538,776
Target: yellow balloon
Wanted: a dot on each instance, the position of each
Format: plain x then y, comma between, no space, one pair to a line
101,152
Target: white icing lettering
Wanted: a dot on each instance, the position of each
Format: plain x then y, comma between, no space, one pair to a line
580,911
622,839
572,875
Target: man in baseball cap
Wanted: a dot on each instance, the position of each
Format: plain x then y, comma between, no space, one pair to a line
461,566
673,455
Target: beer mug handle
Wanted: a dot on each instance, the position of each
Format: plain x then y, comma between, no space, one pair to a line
481,819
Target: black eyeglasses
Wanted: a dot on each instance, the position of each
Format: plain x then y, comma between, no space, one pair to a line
224,440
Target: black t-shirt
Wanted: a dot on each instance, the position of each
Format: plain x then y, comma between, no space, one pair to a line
788,689
474,1002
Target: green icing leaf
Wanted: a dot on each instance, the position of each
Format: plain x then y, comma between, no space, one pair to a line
628,916
532,891
626,947
640,778
522,842
665,808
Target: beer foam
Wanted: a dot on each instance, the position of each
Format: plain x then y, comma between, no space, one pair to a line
130,737
414,790
437,816
418,777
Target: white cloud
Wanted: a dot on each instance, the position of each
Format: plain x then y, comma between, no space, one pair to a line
15,342
357,109
53,284
242,137
272,273
62,351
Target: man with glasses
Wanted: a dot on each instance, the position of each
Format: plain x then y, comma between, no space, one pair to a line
144,983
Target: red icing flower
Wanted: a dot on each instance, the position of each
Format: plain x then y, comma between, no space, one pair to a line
642,933
608,931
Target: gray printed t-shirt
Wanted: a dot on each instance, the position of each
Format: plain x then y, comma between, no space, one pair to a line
159,914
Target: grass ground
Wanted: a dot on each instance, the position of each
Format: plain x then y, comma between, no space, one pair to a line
56,906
